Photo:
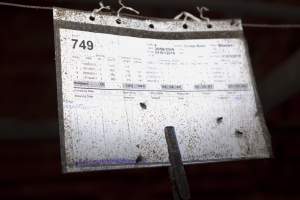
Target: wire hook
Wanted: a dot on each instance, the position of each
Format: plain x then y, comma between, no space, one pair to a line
102,7
186,16
201,11
125,7
98,10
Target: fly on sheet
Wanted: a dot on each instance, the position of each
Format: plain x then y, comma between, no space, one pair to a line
121,81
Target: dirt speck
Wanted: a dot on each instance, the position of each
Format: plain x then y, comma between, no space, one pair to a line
248,150
139,159
143,105
238,133
219,120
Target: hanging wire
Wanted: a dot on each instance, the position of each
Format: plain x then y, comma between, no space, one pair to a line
26,6
247,25
276,26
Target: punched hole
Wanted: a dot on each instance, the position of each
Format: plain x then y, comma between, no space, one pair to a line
92,18
151,26
185,26
209,26
118,21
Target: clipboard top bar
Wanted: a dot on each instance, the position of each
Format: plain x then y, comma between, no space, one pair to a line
146,23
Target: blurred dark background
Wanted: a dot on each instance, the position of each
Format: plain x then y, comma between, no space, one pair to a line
29,143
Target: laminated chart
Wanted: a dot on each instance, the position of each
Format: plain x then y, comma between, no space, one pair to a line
121,84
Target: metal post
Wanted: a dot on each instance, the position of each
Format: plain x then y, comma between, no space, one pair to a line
180,186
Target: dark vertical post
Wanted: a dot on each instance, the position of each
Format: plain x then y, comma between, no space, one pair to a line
178,178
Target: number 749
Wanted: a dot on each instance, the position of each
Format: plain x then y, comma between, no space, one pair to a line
83,44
